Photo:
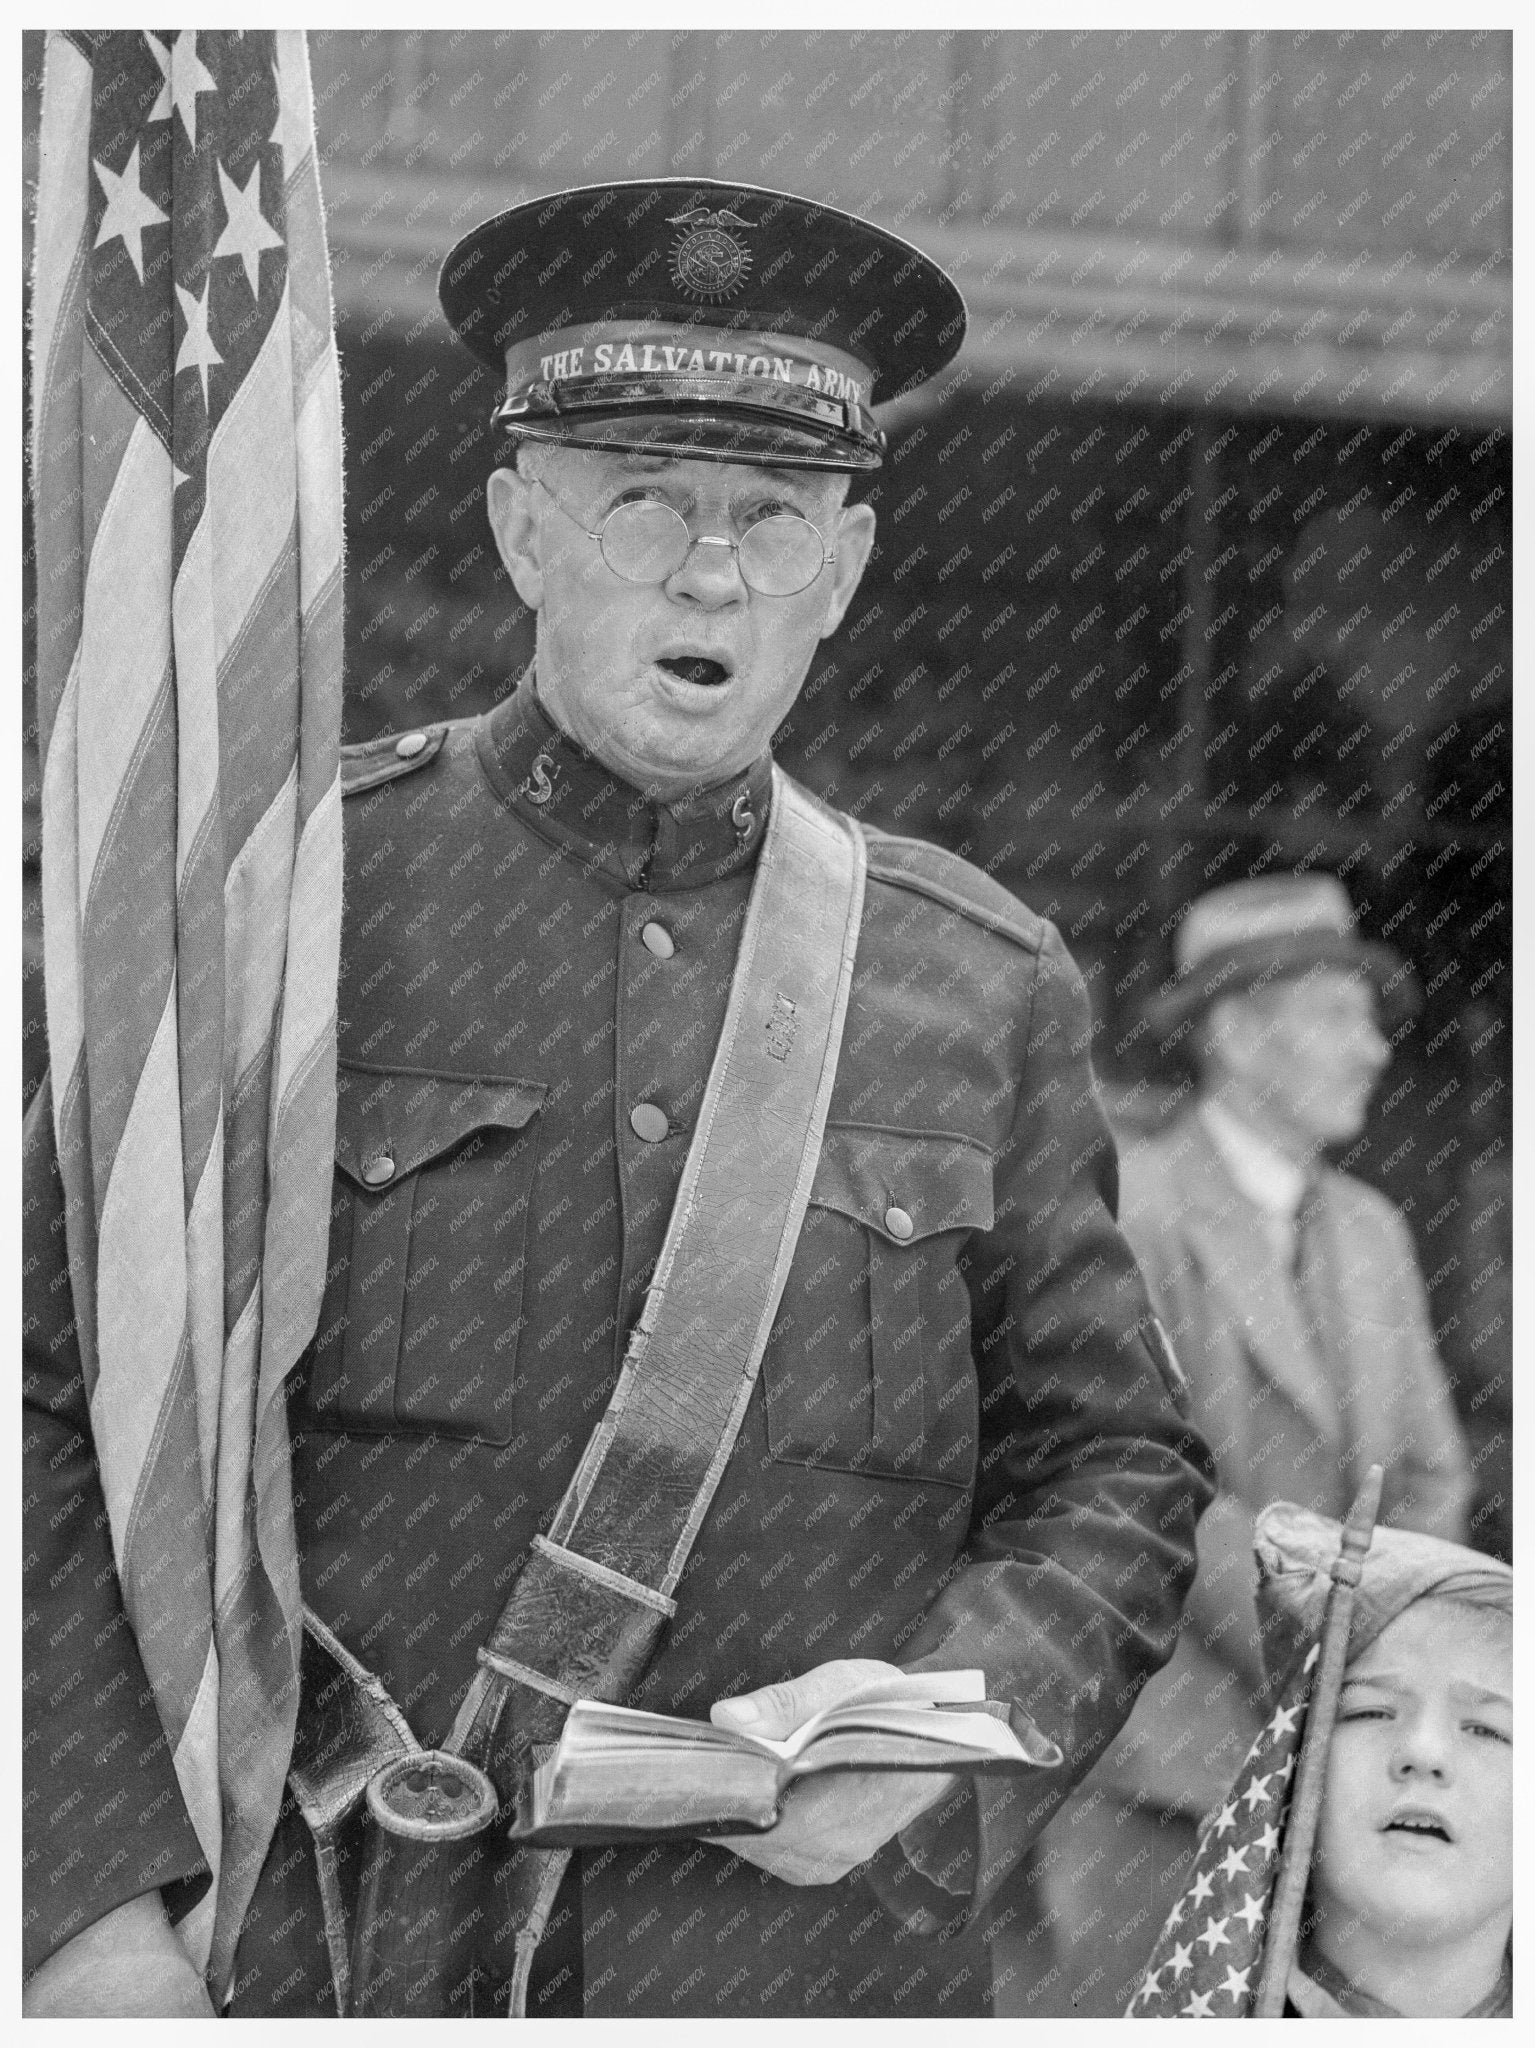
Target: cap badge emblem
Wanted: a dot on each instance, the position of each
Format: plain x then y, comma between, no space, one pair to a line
708,261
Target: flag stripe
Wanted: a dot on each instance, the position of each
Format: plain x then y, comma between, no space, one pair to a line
252,484
141,1278
129,930
62,214
205,1298
61,900
256,896
164,1560
247,1118
259,699
320,653
125,642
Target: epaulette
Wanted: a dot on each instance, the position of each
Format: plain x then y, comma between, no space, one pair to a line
930,871
371,762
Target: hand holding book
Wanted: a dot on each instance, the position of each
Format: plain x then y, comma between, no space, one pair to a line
617,1773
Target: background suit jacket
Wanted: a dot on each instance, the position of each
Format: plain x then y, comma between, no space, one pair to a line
1287,1418
960,1450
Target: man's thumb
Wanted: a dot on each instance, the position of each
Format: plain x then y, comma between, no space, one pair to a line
774,1710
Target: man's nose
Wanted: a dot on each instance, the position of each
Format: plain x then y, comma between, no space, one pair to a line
1374,1048
710,574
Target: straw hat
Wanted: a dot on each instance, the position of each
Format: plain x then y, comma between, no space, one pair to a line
1246,935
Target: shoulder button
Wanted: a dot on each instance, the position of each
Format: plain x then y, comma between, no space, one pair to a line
394,754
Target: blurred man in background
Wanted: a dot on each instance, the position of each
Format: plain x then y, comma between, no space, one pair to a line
1292,1293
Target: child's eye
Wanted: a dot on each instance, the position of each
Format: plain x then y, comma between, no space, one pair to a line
1485,1728
1365,1714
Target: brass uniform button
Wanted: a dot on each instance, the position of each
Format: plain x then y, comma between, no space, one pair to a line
658,940
898,1223
409,744
377,1171
648,1121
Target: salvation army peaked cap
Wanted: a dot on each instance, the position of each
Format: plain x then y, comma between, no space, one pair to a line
692,317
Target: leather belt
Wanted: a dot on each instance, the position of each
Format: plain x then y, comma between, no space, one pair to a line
593,1596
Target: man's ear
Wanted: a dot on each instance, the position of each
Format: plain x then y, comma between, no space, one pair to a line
509,504
1236,1033
854,545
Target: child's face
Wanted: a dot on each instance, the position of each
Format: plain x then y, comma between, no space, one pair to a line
1416,1834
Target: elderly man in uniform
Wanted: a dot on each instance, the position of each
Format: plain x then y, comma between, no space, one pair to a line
955,1440
1292,1293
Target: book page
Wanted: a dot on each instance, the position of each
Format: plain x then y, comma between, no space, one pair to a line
917,1691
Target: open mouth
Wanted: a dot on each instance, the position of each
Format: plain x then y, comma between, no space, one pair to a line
696,668
1423,1825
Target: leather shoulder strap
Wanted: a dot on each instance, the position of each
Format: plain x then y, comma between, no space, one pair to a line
696,1349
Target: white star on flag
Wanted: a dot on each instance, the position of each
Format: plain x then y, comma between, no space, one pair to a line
1182,1960
1257,1793
247,231
197,351
1204,1888
1235,1860
1286,1770
1283,1722
186,75
1268,1841
1213,1934
1198,2007
1236,1983
128,212
1250,1911
1148,1989
1311,1657
1226,1819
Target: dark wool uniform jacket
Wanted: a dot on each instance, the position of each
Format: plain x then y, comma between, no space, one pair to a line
962,1449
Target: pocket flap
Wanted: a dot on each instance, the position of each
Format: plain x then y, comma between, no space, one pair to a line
938,1182
399,1119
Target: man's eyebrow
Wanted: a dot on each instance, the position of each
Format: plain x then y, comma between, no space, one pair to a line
784,478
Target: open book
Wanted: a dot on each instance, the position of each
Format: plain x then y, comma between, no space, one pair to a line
616,1773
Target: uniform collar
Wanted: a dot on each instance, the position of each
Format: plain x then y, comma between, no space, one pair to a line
571,799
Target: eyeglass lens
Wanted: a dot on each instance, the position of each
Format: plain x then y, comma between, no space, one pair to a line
647,542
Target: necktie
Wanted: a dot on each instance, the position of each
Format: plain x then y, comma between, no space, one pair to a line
1306,1263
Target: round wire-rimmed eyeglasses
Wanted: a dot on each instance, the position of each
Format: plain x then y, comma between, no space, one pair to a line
646,541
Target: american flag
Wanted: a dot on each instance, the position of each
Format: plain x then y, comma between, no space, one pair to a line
1208,1959
186,473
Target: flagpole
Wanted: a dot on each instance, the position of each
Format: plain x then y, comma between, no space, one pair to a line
1311,1766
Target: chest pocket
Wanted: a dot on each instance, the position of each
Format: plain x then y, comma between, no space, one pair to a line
869,1365
423,1295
